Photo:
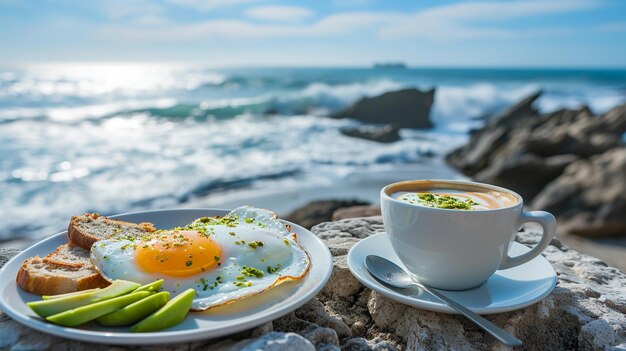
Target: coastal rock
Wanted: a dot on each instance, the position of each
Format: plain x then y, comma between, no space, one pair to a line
273,341
522,130
590,196
6,255
484,143
516,113
524,150
526,173
586,311
408,108
355,212
381,134
319,211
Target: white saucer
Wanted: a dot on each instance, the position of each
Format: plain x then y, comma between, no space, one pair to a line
506,290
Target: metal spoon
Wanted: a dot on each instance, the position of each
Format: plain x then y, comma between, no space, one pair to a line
390,274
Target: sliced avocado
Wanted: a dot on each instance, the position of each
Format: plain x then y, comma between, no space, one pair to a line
83,314
46,308
136,311
50,297
155,286
167,316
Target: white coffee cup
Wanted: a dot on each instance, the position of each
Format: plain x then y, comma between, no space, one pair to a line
456,249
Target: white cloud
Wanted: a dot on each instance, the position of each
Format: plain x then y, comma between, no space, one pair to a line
114,9
207,5
150,20
278,13
458,21
449,22
340,24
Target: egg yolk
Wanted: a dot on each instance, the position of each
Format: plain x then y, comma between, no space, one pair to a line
178,253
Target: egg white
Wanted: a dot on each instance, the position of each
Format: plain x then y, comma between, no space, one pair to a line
281,259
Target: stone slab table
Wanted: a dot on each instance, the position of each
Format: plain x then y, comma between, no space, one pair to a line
586,311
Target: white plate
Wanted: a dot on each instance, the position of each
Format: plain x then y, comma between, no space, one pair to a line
506,290
213,323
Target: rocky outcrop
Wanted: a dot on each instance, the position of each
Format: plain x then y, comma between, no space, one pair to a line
586,311
524,150
355,212
408,108
381,134
317,212
590,196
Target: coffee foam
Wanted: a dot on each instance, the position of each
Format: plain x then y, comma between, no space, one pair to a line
486,198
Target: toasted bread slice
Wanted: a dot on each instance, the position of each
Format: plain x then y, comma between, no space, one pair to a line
87,229
39,277
69,255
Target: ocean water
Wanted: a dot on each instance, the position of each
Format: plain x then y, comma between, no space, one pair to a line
120,137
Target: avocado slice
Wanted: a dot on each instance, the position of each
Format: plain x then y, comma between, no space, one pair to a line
155,286
167,316
136,311
46,308
83,314
50,297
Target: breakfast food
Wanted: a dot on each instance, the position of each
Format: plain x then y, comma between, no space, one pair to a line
84,314
135,311
224,259
470,198
87,229
167,316
122,303
48,307
65,270
69,267
210,262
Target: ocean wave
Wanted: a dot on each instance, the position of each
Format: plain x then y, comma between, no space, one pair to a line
454,103
79,113
73,142
82,83
139,162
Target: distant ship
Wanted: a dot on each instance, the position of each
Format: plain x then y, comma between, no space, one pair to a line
390,65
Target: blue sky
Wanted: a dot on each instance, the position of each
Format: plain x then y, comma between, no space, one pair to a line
528,33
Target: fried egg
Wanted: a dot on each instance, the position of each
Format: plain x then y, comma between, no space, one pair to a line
224,259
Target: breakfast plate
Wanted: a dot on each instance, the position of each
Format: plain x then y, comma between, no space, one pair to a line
506,290
216,322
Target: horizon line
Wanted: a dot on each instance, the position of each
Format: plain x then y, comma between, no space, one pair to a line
331,66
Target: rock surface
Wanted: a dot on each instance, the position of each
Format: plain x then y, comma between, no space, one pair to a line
356,211
536,154
408,108
316,212
382,134
591,195
586,311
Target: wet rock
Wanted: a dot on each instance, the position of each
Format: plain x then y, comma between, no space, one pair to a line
526,173
590,196
408,108
524,151
381,134
319,211
356,211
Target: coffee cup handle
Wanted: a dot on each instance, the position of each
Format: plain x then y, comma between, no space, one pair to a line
547,222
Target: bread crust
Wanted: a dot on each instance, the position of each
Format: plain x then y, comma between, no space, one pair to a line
85,240
79,237
51,258
43,284
37,275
